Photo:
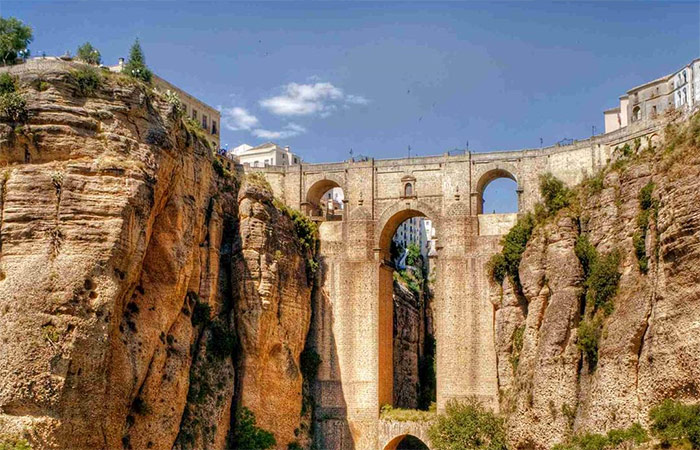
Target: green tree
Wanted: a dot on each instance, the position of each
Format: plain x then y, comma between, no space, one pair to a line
15,37
674,422
136,65
89,54
467,426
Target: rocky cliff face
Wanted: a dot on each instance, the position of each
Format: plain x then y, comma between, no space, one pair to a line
144,296
648,345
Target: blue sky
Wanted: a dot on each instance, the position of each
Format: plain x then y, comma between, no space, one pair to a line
377,77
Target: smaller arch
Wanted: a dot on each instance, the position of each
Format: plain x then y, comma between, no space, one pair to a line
406,442
408,190
486,179
317,205
636,113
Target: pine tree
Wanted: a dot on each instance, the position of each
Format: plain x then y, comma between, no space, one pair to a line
136,66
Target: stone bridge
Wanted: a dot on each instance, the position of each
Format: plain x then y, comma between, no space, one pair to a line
352,329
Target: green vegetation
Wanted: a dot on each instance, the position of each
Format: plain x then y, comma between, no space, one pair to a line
517,346
467,426
647,206
8,83
602,282
201,313
635,434
409,279
388,412
86,79
514,243
294,446
413,257
246,435
195,129
15,37
136,65
177,110
8,442
50,333
13,108
676,424
89,54
589,332
555,195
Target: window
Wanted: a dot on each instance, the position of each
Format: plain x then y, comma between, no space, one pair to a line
213,127
636,113
267,161
653,111
408,190
205,123
194,113
256,163
295,160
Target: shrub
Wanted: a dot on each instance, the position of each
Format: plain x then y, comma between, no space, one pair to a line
176,107
136,65
601,284
517,346
589,332
8,442
246,435
89,54
555,195
258,179
586,253
514,244
294,446
647,205
13,108
467,426
635,434
222,341
674,422
309,361
8,83
218,167
15,37
86,79
597,182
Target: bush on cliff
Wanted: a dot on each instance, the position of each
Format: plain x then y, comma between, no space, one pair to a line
246,435
467,426
13,443
86,79
8,83
555,195
676,424
615,438
514,243
13,108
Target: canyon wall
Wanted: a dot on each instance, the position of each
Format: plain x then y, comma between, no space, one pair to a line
648,347
146,293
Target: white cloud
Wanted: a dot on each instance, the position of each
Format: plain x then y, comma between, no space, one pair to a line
289,130
237,119
308,99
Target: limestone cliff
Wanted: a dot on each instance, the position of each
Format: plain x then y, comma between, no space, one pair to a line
145,295
648,348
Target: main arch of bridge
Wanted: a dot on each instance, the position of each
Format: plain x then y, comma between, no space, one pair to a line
355,324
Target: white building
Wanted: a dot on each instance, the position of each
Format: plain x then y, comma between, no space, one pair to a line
267,154
679,90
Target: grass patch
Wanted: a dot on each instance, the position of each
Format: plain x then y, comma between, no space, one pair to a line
9,442
388,412
516,346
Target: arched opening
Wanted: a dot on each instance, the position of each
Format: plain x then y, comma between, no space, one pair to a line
406,442
408,190
325,199
500,196
636,113
498,193
407,377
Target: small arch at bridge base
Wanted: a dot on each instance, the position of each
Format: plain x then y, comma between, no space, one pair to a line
406,442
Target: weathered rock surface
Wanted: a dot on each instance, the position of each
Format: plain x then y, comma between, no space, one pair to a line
114,230
650,346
